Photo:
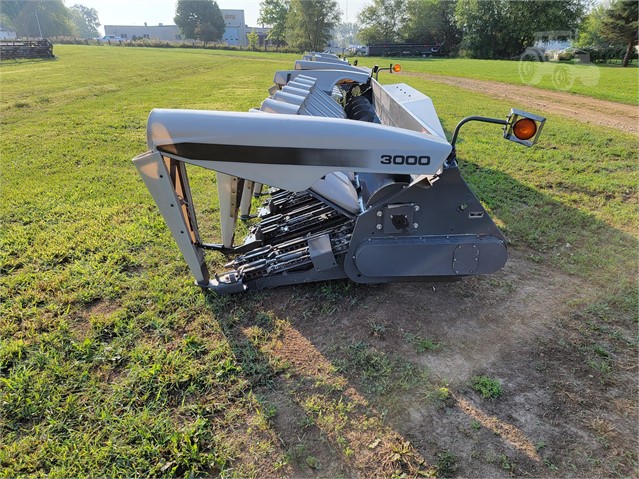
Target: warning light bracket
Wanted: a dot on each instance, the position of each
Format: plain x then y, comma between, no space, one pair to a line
508,123
515,115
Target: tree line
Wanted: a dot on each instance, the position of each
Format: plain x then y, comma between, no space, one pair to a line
499,29
49,18
491,29
607,30
299,24
476,28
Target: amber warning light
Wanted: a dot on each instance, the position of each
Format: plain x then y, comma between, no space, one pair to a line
523,127
397,68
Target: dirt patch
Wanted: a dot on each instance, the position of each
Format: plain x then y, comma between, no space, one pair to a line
559,414
589,110
80,324
309,451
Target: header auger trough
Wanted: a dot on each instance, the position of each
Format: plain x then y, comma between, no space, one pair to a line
359,177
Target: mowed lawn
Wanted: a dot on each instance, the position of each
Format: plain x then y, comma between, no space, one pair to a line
607,82
113,363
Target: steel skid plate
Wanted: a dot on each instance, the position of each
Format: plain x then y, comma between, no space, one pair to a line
415,256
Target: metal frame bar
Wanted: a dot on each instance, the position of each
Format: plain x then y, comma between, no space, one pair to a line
168,184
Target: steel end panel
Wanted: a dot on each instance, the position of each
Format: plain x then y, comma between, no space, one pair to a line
455,255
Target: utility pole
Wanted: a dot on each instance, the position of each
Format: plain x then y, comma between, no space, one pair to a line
38,20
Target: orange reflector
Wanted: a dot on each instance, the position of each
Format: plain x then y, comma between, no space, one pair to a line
524,128
397,68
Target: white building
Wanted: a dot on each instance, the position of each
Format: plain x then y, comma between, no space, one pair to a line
169,33
7,33
236,30
235,33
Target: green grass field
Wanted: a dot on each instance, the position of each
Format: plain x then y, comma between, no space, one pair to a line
606,82
113,364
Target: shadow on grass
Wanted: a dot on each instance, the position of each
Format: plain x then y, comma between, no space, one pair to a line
321,420
575,241
23,61
330,360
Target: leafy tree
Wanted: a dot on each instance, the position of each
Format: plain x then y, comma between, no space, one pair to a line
275,13
85,20
29,17
208,32
432,21
502,28
310,23
530,16
481,24
346,33
620,25
200,20
382,21
10,11
253,40
590,29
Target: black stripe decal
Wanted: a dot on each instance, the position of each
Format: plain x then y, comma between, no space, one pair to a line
269,155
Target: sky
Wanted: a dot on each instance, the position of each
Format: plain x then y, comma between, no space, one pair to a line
136,12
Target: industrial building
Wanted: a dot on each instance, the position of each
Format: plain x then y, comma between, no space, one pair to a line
156,32
236,29
235,33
